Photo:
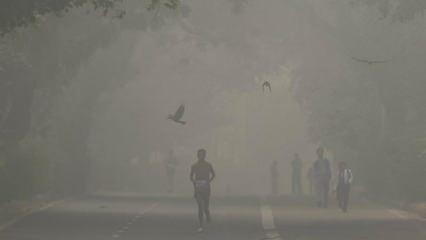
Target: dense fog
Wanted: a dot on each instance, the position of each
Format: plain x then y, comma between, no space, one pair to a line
86,94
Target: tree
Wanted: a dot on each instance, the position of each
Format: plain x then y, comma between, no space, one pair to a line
21,13
369,113
400,10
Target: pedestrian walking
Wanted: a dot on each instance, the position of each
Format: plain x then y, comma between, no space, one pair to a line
344,181
322,175
274,174
296,176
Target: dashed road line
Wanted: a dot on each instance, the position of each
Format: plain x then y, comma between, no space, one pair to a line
126,227
406,215
268,223
40,209
398,213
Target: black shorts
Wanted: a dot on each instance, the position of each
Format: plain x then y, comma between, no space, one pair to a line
202,190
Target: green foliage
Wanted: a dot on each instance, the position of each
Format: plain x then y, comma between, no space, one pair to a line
42,99
156,4
372,115
20,13
400,10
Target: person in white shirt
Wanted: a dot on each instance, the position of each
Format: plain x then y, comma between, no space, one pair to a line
344,181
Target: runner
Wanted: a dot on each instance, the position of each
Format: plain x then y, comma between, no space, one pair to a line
343,189
201,175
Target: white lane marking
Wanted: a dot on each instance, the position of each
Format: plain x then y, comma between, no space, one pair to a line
148,209
267,217
135,218
406,215
398,213
24,215
268,223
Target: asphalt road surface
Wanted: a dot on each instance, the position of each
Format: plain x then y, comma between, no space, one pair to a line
248,218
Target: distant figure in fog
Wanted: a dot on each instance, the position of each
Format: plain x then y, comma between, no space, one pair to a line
322,176
171,164
344,181
274,178
311,180
266,85
201,175
296,176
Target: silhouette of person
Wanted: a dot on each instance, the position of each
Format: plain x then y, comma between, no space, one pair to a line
171,165
322,175
296,177
274,178
201,175
344,181
311,180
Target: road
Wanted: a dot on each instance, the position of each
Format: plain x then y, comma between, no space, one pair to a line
248,218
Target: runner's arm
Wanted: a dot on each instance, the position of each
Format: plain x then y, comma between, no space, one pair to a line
191,175
212,173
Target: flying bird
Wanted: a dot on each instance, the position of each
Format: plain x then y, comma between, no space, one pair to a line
370,62
178,115
266,84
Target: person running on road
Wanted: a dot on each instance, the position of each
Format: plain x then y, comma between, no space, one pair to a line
344,182
322,175
201,175
274,178
296,177
171,164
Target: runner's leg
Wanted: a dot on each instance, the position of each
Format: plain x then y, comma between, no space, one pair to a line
200,203
207,206
346,197
326,191
299,186
323,193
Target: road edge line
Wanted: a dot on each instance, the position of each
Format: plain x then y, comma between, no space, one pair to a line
406,215
13,221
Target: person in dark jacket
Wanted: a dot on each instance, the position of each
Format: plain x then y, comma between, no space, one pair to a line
296,175
274,178
322,176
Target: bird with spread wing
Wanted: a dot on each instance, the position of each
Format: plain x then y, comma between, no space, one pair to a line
370,62
177,117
